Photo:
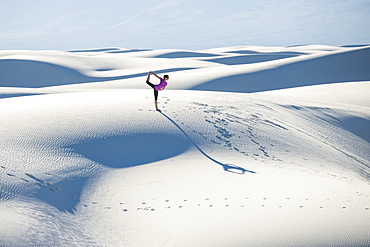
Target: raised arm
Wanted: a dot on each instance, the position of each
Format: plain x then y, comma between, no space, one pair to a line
155,74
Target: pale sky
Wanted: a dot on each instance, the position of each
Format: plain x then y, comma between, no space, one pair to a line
181,24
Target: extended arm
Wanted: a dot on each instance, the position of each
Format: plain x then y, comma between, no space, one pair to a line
155,74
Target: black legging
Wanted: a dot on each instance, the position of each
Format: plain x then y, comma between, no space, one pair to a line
155,91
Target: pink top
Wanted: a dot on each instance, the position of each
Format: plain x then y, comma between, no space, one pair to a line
161,85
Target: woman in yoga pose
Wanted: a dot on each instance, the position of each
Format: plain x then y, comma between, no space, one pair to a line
159,87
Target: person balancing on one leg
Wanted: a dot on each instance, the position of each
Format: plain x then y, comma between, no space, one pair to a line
159,87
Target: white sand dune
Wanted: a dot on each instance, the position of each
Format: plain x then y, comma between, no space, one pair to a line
255,146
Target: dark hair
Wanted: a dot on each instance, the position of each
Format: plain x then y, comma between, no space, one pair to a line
166,76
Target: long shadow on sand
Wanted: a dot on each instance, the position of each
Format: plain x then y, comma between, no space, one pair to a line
227,167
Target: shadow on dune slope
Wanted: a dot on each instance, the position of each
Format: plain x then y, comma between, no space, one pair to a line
113,152
248,59
127,151
64,195
343,67
35,74
185,54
